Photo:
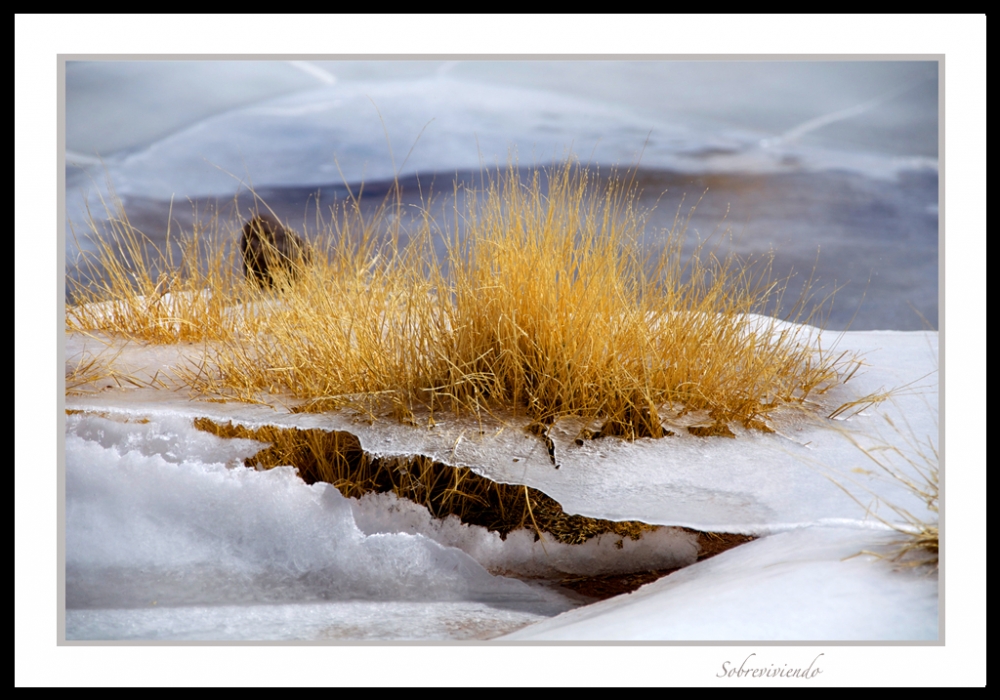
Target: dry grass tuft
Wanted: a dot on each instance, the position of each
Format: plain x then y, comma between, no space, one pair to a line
125,286
545,305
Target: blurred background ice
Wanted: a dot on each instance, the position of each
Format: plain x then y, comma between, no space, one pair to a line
837,158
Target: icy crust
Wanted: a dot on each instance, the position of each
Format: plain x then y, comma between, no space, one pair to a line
802,585
809,472
156,514
521,553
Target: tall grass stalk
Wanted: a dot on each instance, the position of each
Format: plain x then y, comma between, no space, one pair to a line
914,463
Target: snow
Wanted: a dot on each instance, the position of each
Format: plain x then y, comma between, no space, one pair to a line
807,584
161,515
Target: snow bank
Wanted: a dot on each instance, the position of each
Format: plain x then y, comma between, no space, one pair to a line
801,585
156,514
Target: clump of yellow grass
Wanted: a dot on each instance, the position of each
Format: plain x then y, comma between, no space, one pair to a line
125,286
544,305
